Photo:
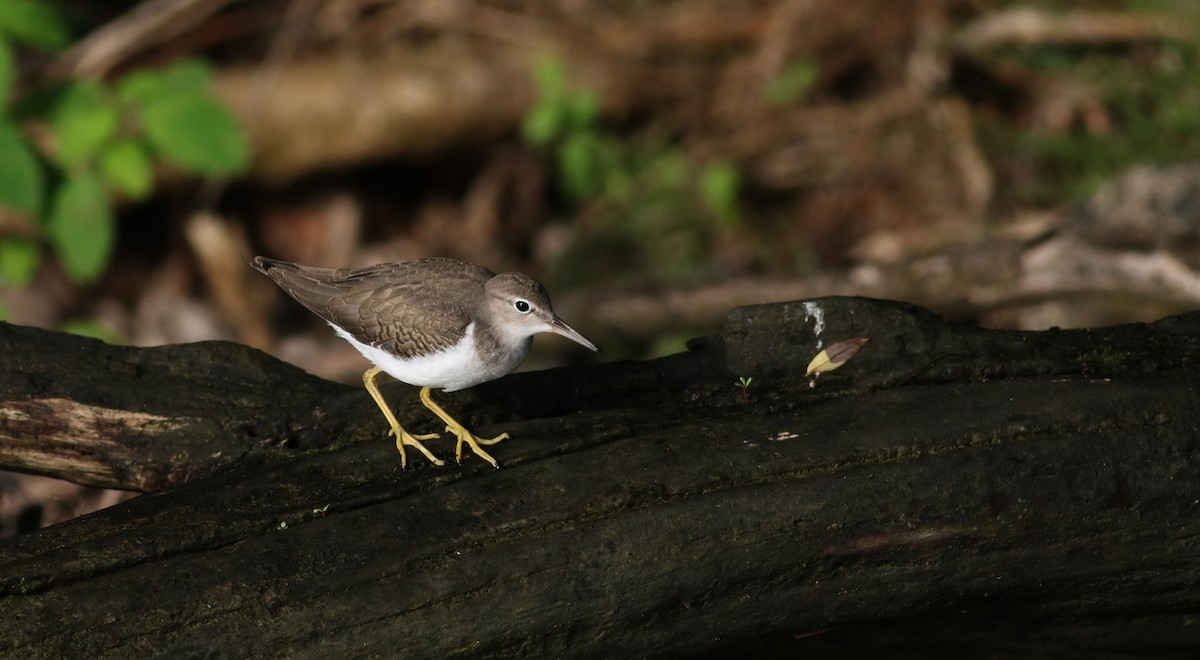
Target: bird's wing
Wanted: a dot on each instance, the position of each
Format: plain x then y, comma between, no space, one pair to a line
395,306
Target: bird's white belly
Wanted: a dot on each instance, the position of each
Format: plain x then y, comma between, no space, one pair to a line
455,368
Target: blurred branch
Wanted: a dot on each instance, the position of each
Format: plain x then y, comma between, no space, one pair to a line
345,110
151,23
1033,27
1059,263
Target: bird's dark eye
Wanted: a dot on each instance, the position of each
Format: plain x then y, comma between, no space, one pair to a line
521,306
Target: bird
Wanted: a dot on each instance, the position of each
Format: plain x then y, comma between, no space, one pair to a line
433,323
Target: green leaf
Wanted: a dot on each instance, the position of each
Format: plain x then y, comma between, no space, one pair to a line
8,71
89,328
584,110
550,78
183,122
197,133
719,186
18,260
188,74
126,168
542,123
141,87
83,120
793,83
21,177
33,22
667,169
146,86
579,162
81,227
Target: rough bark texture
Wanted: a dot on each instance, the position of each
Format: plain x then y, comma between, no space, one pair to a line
950,490
146,418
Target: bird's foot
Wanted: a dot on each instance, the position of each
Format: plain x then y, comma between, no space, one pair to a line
402,437
405,438
464,436
470,439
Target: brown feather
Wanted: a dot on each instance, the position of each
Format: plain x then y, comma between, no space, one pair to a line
394,306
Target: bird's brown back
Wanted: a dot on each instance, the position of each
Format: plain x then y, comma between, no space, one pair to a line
407,308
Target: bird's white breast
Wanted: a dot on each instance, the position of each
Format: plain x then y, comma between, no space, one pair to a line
455,368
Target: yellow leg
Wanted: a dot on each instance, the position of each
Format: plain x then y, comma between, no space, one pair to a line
463,434
402,437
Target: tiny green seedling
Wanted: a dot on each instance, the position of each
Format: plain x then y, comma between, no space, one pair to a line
321,511
744,383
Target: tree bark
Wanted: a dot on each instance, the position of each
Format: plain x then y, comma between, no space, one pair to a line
949,490
147,418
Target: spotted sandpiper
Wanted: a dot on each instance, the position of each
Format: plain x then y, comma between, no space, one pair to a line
434,322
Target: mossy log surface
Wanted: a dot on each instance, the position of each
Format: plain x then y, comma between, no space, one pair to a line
950,490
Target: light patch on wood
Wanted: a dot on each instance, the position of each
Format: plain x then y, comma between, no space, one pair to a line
813,312
66,437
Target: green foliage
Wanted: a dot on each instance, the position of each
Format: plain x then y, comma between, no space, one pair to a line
792,83
1149,103
27,586
569,117
743,384
581,164
183,123
83,120
646,203
18,260
8,70
21,177
146,87
89,328
195,132
719,186
80,226
126,167
546,119
105,139
34,23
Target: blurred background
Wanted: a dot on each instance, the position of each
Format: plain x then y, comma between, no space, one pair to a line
1019,164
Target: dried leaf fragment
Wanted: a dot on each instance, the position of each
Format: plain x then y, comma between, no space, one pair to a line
835,355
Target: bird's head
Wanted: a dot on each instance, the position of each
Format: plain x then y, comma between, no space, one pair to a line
520,308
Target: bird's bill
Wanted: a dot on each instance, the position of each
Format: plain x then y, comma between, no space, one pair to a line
560,327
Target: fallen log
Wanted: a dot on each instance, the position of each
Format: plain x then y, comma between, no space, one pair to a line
950,490
147,418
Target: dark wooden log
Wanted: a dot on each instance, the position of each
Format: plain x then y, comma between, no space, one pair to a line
147,418
950,490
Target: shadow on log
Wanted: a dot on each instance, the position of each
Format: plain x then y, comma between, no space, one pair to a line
951,490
